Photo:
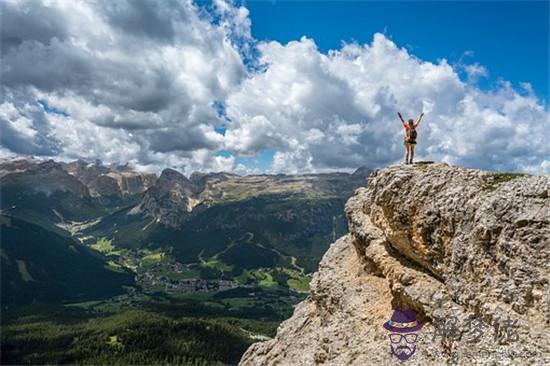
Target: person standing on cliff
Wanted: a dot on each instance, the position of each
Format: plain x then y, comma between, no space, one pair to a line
410,136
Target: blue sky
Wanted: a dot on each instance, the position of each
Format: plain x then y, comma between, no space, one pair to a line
171,84
509,38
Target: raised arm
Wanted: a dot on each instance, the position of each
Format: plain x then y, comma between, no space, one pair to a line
401,118
419,119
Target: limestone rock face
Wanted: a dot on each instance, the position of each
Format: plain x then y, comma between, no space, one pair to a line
170,200
46,177
131,182
174,197
468,251
113,180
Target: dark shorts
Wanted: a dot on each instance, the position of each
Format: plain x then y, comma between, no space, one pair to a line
409,142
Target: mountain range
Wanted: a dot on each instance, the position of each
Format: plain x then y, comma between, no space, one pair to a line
222,228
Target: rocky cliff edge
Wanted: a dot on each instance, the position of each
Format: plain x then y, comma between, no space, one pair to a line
468,251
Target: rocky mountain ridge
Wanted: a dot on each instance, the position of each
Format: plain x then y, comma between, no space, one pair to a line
174,196
112,180
468,251
170,199
79,177
45,177
82,191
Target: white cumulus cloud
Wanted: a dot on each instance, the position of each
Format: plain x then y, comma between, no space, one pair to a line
133,81
152,82
338,111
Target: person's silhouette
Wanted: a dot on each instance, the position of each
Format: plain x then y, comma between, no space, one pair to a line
410,136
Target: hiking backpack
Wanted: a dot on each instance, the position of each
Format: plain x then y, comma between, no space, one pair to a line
412,135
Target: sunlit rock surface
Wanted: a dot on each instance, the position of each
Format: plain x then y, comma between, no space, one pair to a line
468,251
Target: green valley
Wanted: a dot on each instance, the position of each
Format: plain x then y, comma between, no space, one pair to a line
102,265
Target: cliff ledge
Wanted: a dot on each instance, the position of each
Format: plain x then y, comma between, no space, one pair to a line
468,251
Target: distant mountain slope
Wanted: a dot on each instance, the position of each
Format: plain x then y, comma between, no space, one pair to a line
174,197
170,200
48,193
114,181
266,230
40,266
301,228
287,216
45,194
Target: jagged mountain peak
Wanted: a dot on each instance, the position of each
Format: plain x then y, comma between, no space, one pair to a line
174,193
170,199
39,176
172,173
170,177
110,181
362,171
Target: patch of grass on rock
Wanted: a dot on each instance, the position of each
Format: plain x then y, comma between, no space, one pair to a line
494,180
